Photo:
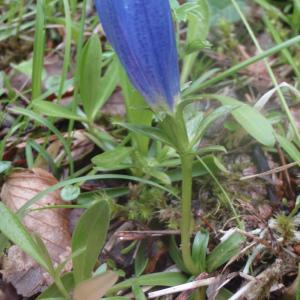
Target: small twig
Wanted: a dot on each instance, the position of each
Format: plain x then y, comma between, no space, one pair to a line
290,191
246,276
258,240
140,235
182,287
273,171
185,295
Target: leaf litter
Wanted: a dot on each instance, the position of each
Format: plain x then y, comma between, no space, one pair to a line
50,224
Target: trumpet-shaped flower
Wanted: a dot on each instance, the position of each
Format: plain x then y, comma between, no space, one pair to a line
142,34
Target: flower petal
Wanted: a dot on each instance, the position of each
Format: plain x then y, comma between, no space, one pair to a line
142,34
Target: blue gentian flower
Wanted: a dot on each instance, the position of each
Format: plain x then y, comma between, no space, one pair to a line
142,34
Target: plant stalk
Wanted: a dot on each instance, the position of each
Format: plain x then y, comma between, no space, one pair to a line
186,208
62,288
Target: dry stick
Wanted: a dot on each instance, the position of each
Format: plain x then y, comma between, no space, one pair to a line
140,235
290,191
258,240
182,287
185,295
273,171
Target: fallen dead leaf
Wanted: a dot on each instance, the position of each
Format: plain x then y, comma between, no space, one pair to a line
51,225
95,288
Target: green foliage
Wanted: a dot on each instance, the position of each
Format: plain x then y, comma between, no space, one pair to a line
94,88
38,52
13,229
199,250
223,10
250,119
224,251
141,259
55,110
53,292
90,74
285,227
160,150
197,15
143,203
138,113
209,262
95,222
160,279
70,192
116,159
289,147
138,292
5,166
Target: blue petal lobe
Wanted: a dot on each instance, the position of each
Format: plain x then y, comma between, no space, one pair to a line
142,34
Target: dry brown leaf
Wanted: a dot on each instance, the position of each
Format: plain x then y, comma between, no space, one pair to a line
51,225
95,288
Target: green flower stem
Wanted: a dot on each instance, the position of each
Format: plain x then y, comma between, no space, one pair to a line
186,215
61,287
175,128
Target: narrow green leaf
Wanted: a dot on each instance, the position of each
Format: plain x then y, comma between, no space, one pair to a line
29,155
55,110
90,74
155,279
4,243
115,159
137,110
141,259
38,50
44,253
50,126
4,166
197,30
15,231
67,47
90,234
289,148
250,119
52,291
138,292
160,175
199,250
176,255
95,90
198,169
107,85
208,120
116,298
62,184
152,132
224,251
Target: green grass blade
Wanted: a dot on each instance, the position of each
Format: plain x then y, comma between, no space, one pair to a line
50,126
14,230
38,50
196,87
